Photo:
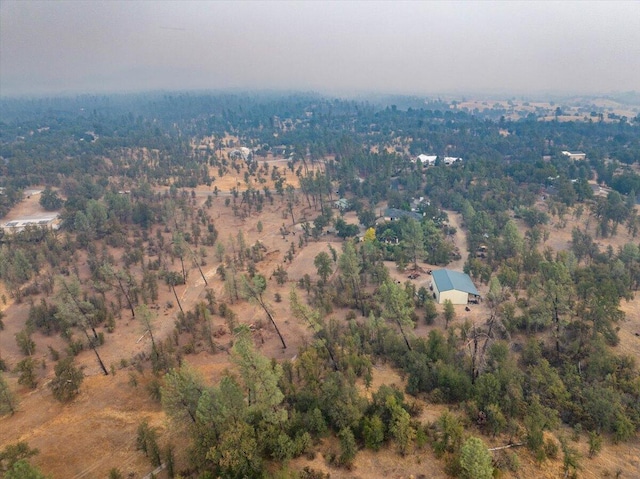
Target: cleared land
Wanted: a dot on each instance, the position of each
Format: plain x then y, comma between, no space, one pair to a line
97,431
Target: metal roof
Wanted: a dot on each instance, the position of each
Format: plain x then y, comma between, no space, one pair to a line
396,213
447,280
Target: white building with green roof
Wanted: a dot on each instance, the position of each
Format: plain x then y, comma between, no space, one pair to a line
454,286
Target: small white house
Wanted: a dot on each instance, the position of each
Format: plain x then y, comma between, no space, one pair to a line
342,204
450,160
243,153
426,160
454,286
46,220
575,155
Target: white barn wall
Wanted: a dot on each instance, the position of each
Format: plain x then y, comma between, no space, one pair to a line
455,296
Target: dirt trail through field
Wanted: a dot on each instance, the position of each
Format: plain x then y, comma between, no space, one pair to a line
459,240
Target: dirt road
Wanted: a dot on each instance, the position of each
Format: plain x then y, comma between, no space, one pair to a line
459,240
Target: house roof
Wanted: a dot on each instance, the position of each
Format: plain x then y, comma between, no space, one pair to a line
447,280
451,159
396,213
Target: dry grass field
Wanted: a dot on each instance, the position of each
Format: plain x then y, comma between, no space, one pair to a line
29,207
97,431
573,109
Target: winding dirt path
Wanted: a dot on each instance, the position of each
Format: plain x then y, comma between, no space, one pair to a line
459,240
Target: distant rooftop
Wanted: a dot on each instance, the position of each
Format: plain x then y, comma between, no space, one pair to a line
574,153
428,159
395,213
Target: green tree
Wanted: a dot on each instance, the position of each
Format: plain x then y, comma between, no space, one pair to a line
147,442
413,240
68,379
170,461
348,447
345,230
25,343
147,321
322,262
23,470
315,322
115,473
397,307
147,318
475,460
553,291
512,243
179,250
13,453
367,217
220,250
123,280
237,454
260,377
181,393
400,426
496,422
253,289
27,369
449,432
50,200
570,458
595,443
373,432
218,409
350,269
537,419
281,275
73,310
431,313
449,312
8,401
340,401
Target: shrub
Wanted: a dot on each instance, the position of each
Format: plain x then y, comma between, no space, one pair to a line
66,385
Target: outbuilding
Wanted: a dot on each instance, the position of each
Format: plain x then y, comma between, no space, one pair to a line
575,155
394,214
454,286
426,160
342,204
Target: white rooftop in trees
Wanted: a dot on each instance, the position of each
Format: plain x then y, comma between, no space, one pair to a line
427,159
45,220
575,155
449,160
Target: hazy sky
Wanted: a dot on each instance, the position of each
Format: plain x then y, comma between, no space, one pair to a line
337,47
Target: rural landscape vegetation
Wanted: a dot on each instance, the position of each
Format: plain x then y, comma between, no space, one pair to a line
240,286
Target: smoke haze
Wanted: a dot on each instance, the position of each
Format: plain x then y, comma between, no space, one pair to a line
335,47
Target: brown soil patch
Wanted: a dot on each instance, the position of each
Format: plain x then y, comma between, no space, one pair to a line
27,208
91,435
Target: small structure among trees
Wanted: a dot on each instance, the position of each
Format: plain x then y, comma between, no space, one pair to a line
342,204
455,286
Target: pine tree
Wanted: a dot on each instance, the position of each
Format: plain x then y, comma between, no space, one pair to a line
475,460
8,401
